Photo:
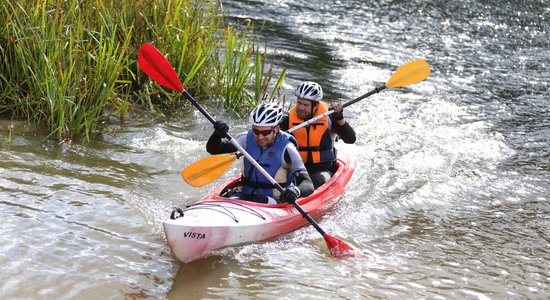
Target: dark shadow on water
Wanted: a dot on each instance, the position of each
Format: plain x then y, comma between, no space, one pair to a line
195,279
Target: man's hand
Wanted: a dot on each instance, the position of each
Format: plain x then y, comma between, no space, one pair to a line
290,194
338,113
221,128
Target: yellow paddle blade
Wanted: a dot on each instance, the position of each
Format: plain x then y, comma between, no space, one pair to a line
412,72
207,169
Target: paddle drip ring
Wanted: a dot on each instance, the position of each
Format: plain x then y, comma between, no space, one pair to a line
176,213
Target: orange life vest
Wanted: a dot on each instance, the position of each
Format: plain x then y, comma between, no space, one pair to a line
315,143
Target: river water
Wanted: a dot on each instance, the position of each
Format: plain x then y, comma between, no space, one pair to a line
450,199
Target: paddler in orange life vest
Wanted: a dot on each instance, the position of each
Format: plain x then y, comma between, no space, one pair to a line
316,141
274,150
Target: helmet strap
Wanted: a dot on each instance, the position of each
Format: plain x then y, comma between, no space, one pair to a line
314,105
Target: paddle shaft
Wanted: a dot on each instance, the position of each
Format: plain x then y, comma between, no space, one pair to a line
412,72
308,122
254,163
234,142
409,73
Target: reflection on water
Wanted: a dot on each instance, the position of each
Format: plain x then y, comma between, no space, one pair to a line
195,280
449,200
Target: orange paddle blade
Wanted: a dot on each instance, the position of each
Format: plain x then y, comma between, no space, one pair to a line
207,169
412,72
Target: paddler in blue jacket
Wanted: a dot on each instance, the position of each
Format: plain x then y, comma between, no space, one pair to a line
316,141
274,150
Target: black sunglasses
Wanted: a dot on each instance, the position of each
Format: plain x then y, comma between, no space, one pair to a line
262,132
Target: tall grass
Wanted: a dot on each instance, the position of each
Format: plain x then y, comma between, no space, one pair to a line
263,79
244,61
65,70
237,67
67,63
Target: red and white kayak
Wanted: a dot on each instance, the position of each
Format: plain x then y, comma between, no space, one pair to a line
215,222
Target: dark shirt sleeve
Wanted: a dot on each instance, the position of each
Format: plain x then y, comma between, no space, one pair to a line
303,180
346,132
284,123
219,145
305,184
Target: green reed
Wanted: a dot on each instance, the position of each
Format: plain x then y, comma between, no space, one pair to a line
237,67
262,79
243,67
66,70
68,63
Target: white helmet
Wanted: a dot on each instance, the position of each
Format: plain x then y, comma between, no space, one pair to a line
266,114
309,90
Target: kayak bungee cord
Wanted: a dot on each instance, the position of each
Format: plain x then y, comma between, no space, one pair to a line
217,207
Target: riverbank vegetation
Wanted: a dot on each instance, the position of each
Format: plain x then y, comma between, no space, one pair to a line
68,64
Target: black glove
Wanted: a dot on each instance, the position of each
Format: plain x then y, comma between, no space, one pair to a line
290,194
221,128
337,116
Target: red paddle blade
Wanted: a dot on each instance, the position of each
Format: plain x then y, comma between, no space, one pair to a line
338,248
155,65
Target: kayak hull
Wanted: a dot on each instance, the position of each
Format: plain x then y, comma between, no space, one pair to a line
215,222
